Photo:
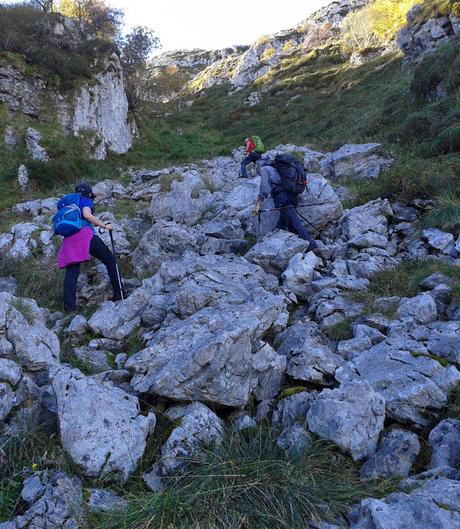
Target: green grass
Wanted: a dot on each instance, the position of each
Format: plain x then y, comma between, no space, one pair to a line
341,331
29,449
249,483
39,279
405,279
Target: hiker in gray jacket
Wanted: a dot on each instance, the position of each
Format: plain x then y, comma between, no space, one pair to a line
271,184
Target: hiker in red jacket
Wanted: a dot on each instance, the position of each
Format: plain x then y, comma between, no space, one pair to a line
252,155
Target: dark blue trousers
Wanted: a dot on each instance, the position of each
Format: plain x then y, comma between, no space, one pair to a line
289,218
97,249
251,158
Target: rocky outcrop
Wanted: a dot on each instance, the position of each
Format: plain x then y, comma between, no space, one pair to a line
351,416
213,355
243,69
24,336
422,36
98,107
435,504
199,428
102,107
395,456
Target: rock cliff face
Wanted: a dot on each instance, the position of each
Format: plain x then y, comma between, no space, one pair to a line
99,107
242,65
195,58
422,36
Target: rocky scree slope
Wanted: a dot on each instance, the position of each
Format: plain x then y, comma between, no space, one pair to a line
227,313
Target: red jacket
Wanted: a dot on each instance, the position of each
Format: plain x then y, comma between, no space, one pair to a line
249,147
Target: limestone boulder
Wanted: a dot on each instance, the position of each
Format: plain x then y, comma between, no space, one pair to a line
351,416
275,251
415,387
445,444
309,354
55,501
395,456
435,504
24,335
212,355
101,426
117,320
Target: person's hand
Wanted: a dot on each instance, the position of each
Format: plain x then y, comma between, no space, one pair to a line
106,226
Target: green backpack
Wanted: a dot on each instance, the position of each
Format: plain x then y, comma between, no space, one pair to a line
259,144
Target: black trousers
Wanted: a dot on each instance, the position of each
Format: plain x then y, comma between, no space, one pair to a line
251,158
97,249
289,218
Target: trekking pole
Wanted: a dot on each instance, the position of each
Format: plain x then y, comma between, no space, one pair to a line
120,286
296,208
308,222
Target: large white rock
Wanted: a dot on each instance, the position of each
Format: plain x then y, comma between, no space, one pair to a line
414,386
24,335
367,226
434,505
275,250
361,161
421,308
102,107
101,426
118,320
300,272
320,204
351,416
309,354
211,355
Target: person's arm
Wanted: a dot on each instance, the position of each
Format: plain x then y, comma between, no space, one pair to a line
265,189
94,220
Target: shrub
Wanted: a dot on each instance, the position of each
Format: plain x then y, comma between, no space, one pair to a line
375,24
29,33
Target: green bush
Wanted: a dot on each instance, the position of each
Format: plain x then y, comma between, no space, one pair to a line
28,32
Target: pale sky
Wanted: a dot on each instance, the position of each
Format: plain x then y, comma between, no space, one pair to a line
213,24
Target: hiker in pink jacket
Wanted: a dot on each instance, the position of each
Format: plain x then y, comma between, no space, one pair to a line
79,248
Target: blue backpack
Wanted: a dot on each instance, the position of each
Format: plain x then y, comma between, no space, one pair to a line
68,220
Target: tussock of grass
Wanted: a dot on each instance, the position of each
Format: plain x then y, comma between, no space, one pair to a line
39,279
405,279
340,331
247,483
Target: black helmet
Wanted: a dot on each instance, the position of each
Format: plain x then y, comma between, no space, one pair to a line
85,190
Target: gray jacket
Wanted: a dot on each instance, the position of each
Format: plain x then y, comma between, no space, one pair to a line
269,177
